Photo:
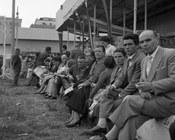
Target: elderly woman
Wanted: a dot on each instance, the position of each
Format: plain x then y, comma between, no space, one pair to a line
62,68
74,73
77,101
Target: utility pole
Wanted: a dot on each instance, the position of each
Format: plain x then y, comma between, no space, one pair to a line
17,17
13,28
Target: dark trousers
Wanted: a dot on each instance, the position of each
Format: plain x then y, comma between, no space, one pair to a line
16,75
172,131
34,80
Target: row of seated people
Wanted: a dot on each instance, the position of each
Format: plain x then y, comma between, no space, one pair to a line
51,81
143,90
135,92
125,97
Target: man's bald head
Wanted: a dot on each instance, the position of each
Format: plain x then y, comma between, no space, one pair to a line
149,41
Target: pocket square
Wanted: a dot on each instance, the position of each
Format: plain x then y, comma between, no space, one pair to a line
161,68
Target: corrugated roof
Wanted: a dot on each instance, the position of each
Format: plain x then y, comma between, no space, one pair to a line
42,34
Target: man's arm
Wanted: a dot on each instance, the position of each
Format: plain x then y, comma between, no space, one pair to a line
101,80
131,88
166,84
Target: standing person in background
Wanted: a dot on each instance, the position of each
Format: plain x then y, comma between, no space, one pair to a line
76,53
16,65
65,51
105,41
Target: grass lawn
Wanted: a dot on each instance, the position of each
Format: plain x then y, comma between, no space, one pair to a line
28,116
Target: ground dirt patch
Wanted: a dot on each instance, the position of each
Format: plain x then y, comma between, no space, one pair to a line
27,116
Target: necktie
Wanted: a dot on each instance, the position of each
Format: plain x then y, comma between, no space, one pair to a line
148,65
129,62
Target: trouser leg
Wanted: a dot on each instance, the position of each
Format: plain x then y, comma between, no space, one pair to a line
16,76
130,107
128,132
172,131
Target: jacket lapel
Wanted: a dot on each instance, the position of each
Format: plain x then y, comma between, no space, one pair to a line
132,60
114,73
157,59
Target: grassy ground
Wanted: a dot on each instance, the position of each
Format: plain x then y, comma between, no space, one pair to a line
27,116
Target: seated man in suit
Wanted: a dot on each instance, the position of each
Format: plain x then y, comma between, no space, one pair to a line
122,85
156,88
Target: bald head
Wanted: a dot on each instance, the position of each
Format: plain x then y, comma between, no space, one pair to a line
149,41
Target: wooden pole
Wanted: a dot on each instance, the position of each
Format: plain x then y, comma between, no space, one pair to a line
67,37
124,18
17,17
60,35
95,12
89,23
13,28
145,25
4,45
135,16
107,18
110,16
83,32
74,32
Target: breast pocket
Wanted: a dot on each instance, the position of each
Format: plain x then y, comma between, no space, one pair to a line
162,73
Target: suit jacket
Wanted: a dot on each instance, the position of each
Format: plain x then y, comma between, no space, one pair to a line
96,69
162,76
130,75
103,81
115,73
16,62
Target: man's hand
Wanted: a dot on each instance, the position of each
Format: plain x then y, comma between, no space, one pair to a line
111,87
80,85
146,95
89,102
93,85
144,86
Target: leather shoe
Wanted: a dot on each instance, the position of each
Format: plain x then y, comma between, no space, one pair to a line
36,92
53,98
97,137
94,131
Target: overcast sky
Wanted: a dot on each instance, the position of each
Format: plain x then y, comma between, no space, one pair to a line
29,10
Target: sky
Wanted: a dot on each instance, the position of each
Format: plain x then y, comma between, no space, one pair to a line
29,10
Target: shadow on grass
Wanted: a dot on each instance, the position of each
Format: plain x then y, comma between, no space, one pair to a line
10,131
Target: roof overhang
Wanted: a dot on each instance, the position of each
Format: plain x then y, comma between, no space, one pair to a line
67,16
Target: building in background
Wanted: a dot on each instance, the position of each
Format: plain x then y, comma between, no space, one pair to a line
44,22
34,39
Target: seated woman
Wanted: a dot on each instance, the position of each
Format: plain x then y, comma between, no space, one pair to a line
74,73
80,108
62,68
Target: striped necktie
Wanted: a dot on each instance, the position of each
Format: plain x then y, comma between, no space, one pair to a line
148,64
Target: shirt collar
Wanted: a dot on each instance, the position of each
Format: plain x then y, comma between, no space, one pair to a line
108,45
154,53
131,57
